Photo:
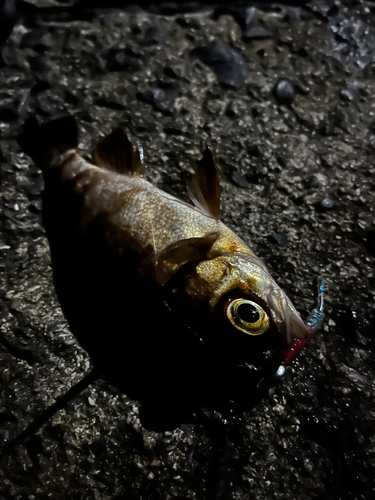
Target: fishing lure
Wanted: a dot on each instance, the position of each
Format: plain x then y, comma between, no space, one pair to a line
313,323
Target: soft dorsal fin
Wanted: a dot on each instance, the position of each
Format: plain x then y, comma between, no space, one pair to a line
204,189
116,152
175,255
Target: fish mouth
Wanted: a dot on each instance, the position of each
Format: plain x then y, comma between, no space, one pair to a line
287,320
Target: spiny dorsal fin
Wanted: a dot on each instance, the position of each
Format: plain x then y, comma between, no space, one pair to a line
204,189
116,152
175,255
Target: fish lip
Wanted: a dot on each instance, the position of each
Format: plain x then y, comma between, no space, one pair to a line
286,319
299,325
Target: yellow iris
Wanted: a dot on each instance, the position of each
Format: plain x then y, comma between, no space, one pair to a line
247,316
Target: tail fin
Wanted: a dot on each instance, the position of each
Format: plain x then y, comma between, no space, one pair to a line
42,141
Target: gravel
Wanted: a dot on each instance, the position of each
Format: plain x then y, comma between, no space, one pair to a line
304,200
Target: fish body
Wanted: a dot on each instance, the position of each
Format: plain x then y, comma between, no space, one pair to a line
159,292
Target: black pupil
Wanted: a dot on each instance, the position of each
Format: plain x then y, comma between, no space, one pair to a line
248,313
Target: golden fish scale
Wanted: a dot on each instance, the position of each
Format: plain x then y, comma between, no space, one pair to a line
156,219
151,216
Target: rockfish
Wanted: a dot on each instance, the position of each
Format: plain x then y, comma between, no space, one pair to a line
167,300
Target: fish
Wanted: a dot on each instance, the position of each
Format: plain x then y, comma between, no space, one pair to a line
166,299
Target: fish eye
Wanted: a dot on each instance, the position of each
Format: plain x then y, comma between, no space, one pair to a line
247,316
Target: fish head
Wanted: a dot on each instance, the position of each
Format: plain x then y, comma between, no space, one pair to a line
238,290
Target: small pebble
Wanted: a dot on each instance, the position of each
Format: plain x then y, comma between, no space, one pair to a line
284,91
280,238
239,180
175,71
228,64
350,93
156,35
188,22
157,98
325,204
123,60
232,109
7,55
257,33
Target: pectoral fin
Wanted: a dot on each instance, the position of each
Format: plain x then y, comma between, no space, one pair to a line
117,153
175,255
204,190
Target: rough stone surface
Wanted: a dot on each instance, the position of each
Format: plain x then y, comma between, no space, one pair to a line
313,435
